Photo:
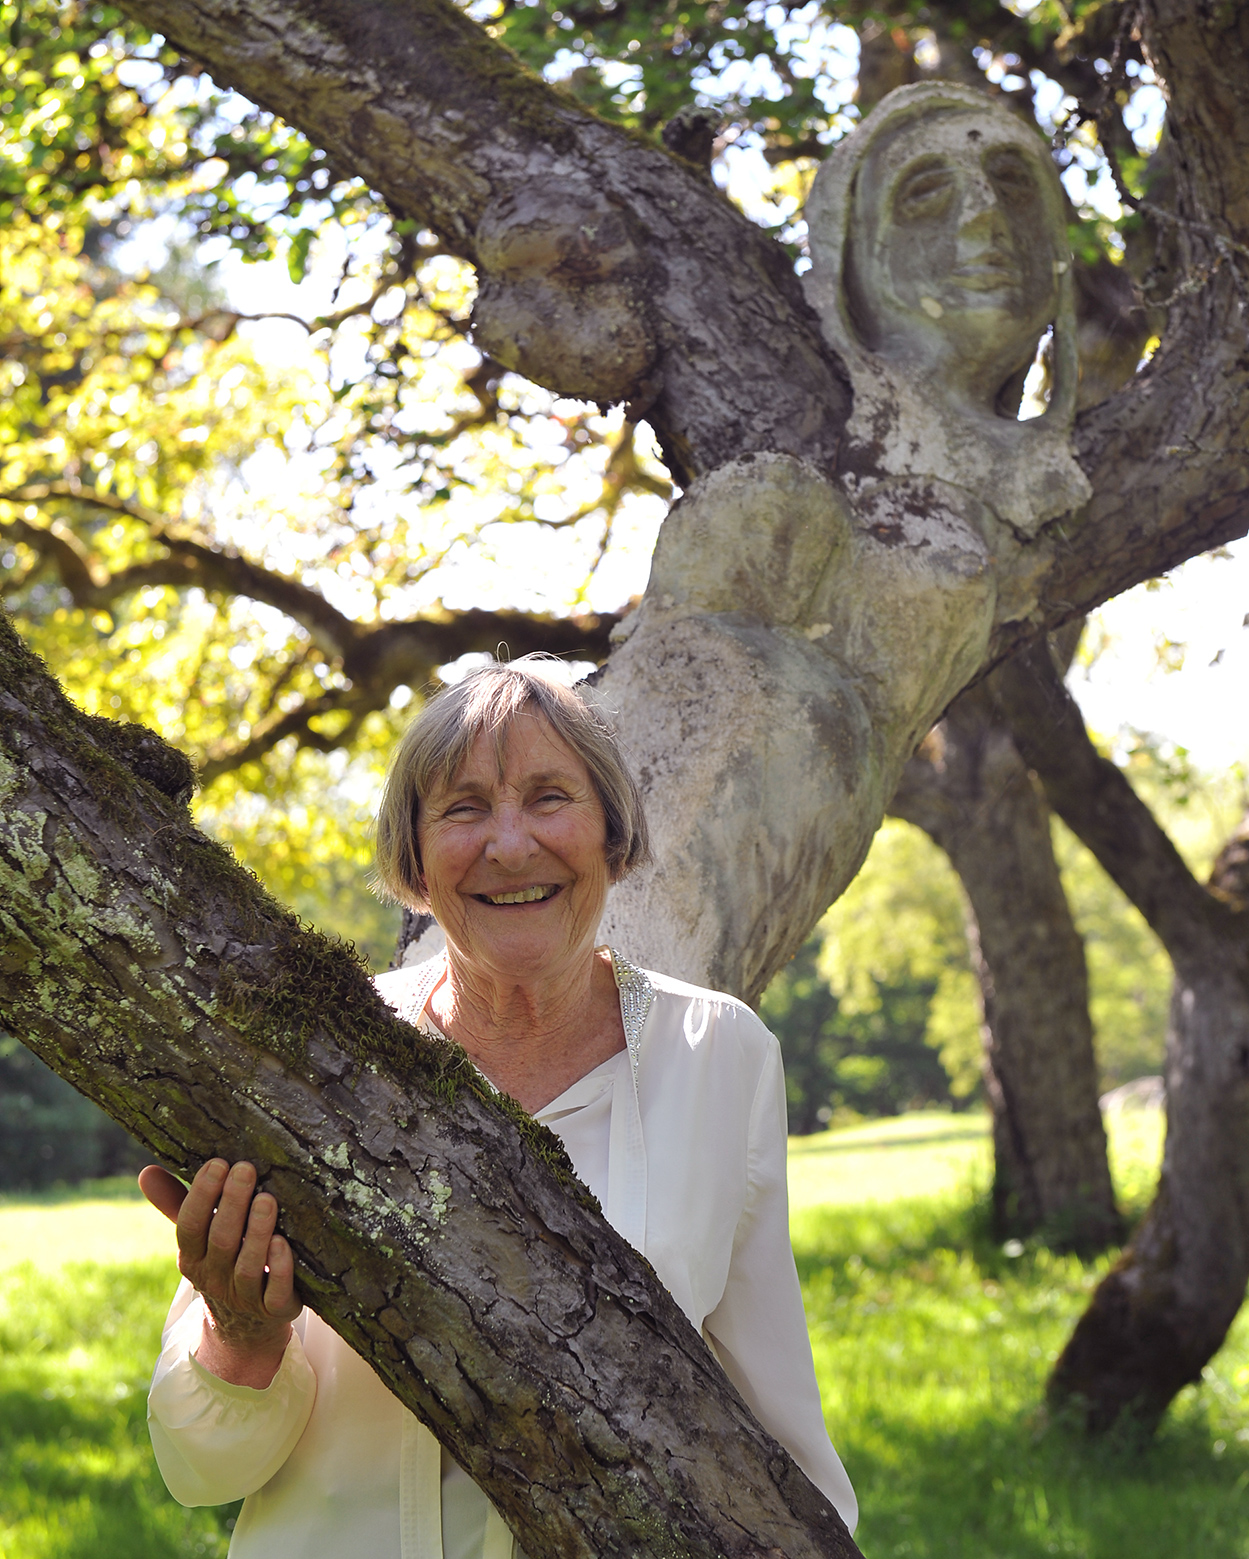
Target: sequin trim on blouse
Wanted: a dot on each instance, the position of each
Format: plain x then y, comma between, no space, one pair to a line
636,995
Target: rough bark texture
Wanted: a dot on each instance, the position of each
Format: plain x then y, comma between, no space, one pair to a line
968,788
1164,1310
437,1229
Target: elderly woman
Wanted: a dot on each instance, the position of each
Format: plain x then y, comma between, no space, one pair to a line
508,813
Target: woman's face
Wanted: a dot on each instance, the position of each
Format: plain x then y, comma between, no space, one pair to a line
514,854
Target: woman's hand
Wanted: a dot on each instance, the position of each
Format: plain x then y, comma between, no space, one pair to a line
226,1241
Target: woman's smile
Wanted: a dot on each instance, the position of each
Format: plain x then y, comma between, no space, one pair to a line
536,895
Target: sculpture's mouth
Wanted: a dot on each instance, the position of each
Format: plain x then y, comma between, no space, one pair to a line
989,271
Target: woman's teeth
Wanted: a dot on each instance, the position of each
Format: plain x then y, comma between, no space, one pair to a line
525,896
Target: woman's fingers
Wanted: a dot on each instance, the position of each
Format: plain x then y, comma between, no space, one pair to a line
249,1268
195,1216
280,1301
163,1190
225,1234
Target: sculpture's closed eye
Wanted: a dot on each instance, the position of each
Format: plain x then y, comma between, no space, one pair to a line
924,191
1012,177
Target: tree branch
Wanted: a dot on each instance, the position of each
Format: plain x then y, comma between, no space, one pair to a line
1095,800
143,965
455,133
1169,457
374,658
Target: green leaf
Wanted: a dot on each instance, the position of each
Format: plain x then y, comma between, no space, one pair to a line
297,254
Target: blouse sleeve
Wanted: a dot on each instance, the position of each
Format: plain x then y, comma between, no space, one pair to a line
759,1328
216,1442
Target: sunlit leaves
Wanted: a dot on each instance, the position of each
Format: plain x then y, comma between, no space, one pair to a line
903,918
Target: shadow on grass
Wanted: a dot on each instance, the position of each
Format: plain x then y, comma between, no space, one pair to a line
894,1236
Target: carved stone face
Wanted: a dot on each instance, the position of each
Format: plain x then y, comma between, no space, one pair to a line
951,259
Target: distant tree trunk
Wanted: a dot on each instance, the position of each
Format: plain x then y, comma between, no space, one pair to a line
970,791
1164,1310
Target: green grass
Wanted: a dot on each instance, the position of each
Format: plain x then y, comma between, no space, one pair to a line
932,1346
77,1479
109,1222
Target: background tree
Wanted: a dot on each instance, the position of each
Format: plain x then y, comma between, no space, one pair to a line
971,792
1164,1309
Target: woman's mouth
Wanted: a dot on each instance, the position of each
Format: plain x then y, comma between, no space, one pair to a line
533,895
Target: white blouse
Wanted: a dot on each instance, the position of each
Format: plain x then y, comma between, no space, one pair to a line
682,1138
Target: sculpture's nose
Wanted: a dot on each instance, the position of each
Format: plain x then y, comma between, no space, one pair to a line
980,214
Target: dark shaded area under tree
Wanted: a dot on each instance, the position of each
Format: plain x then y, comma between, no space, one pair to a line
50,1133
874,1063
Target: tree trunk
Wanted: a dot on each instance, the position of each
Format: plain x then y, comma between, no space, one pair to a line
1164,1310
969,790
435,1227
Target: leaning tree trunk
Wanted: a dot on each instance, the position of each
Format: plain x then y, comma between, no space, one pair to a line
435,1227
1164,1310
970,791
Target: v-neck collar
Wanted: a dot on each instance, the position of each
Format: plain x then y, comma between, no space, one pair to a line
585,1091
634,987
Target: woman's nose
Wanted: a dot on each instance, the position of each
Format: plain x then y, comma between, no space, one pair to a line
510,843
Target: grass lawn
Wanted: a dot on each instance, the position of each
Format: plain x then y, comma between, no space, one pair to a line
932,1346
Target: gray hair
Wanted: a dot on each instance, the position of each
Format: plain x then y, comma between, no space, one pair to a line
487,701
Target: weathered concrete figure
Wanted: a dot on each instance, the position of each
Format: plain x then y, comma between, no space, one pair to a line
939,256
800,632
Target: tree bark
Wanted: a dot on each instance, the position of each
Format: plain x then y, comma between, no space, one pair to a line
970,791
435,1227
1162,1313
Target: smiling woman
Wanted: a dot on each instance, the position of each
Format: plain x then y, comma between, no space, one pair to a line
508,813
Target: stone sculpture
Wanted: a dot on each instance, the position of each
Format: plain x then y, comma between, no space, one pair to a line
939,258
781,669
